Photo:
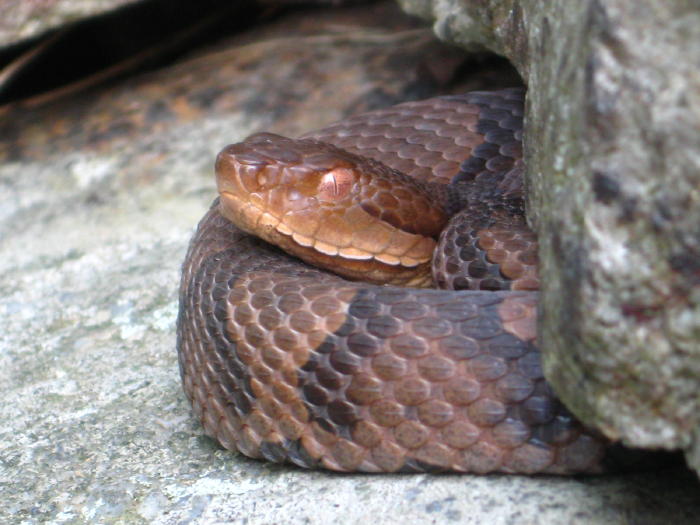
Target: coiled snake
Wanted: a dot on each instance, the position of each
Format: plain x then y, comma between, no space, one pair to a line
287,362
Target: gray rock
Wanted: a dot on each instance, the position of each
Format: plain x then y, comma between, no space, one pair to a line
613,151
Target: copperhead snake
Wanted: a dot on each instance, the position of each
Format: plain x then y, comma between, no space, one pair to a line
290,363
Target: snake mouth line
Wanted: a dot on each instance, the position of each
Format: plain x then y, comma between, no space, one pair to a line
260,222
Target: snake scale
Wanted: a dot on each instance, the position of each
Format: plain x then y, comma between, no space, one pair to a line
290,363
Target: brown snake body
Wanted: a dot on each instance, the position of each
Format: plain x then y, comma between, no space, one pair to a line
286,362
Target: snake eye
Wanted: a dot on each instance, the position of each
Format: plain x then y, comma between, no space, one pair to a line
335,184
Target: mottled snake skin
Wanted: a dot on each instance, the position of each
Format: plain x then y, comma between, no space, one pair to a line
289,363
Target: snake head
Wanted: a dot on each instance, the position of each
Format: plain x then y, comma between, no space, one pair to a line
346,213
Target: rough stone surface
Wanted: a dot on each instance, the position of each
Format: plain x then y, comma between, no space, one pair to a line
614,177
